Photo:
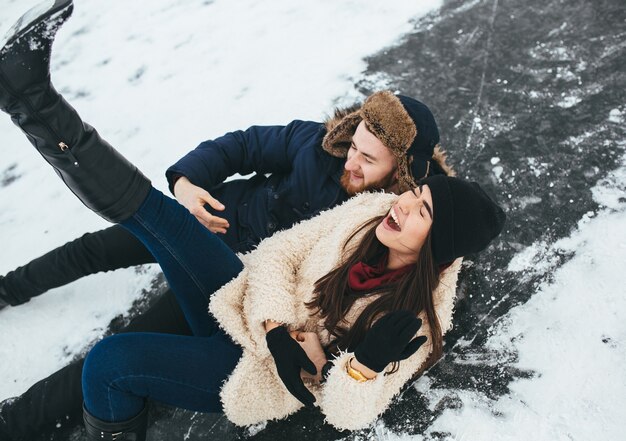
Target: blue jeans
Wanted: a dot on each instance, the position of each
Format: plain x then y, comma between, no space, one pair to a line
123,371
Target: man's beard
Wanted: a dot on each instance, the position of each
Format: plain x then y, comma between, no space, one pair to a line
385,183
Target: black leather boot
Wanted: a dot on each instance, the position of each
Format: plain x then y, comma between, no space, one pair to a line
95,172
4,295
104,250
130,430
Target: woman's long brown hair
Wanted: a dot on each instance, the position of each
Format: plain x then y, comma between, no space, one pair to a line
333,298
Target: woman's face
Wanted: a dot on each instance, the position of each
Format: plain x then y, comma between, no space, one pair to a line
406,227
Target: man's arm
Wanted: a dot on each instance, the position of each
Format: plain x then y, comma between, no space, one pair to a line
260,149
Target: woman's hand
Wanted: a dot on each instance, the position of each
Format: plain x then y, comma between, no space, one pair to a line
290,359
390,339
194,198
310,342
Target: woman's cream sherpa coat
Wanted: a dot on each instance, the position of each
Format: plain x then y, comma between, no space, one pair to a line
277,279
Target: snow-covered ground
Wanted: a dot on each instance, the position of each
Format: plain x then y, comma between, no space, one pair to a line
158,77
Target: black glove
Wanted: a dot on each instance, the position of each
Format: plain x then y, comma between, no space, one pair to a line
390,340
290,358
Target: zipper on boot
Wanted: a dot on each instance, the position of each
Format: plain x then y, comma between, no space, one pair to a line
65,149
35,114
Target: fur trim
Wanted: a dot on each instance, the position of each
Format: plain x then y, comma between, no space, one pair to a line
337,141
340,113
405,176
388,120
384,116
441,157
406,181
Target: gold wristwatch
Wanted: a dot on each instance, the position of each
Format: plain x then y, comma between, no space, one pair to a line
356,374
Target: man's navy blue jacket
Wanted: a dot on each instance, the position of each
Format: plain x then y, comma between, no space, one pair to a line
295,178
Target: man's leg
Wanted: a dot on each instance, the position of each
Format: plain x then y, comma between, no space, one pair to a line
58,399
54,400
104,250
165,316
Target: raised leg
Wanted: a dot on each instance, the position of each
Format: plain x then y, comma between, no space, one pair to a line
95,172
195,261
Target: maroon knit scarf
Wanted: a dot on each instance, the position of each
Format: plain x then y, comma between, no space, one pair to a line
364,277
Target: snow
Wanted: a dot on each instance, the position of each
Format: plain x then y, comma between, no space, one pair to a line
616,116
156,78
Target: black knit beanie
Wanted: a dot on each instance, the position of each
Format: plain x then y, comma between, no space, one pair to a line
465,219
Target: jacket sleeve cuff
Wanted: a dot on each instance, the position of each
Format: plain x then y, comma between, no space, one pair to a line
172,175
347,403
281,312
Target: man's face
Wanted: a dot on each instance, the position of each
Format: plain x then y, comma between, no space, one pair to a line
369,165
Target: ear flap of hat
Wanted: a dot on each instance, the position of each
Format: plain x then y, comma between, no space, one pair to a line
338,139
405,178
421,168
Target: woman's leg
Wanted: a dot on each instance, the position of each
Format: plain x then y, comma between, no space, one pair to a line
195,261
99,176
94,171
124,370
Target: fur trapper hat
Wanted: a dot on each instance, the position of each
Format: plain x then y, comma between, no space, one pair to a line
404,125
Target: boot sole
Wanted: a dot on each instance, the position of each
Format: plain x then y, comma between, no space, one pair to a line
36,16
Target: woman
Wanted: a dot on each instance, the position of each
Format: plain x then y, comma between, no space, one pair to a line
362,281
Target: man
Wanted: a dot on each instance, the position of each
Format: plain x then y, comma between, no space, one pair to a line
388,143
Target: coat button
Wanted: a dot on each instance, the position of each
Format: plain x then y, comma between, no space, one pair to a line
271,226
276,196
306,205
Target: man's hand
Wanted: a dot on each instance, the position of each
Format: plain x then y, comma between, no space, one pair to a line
310,342
193,198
